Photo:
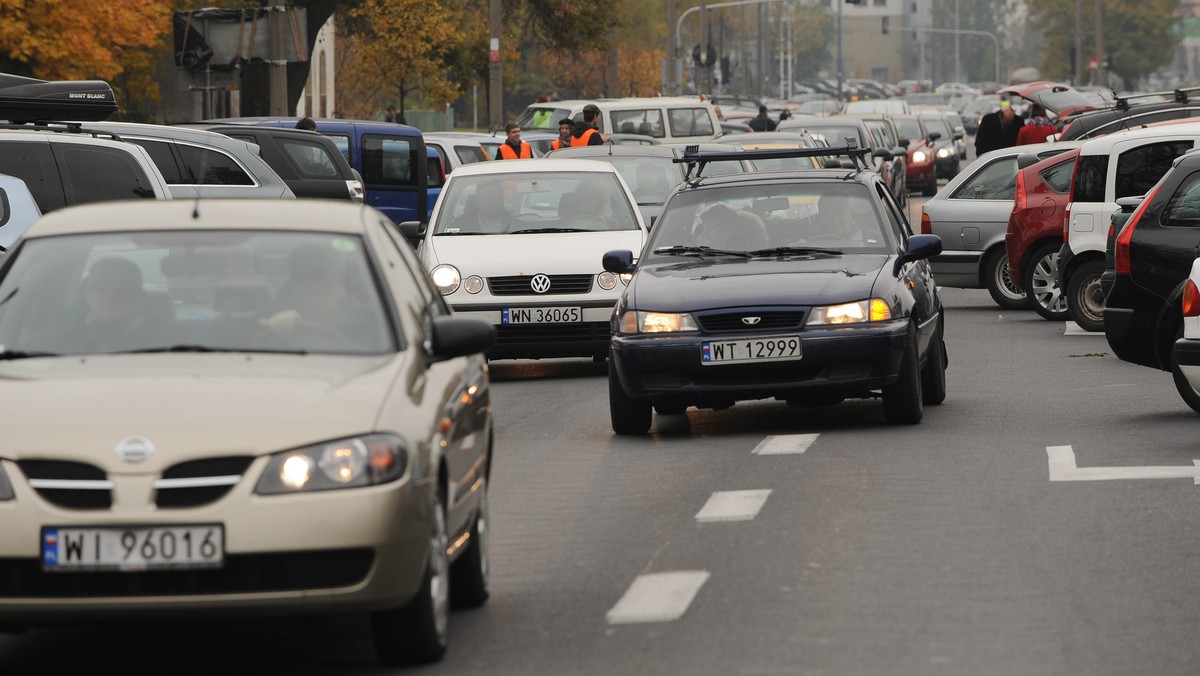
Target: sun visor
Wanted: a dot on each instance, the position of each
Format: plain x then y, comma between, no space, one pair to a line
24,99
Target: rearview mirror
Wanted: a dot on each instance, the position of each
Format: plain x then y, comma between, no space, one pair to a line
933,136
883,153
457,336
618,261
919,247
904,143
412,230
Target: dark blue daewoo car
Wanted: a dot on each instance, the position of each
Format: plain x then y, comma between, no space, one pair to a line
805,286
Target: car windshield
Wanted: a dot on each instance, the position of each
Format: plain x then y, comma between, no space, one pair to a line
909,129
651,178
542,117
935,125
194,291
837,216
510,203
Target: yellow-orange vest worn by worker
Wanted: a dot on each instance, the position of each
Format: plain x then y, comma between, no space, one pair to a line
556,144
583,139
507,153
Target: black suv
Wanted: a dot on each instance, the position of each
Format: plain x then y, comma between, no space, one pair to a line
1152,257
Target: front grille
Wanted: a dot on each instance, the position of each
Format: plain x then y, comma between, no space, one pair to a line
199,482
518,285
73,485
242,574
552,333
768,321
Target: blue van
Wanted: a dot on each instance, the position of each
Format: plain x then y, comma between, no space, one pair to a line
391,158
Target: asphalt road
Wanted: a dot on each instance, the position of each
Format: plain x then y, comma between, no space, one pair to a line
844,546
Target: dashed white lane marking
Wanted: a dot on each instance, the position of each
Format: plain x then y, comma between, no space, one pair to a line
785,444
658,597
733,505
1074,329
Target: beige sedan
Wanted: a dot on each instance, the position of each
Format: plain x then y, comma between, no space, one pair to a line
239,407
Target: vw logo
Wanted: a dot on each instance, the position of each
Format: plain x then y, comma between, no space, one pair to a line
135,449
751,321
540,283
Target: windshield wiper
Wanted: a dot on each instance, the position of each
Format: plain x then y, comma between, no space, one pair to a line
795,251
700,251
10,355
203,348
536,230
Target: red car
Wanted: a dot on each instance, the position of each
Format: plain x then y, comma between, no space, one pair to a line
1035,230
921,170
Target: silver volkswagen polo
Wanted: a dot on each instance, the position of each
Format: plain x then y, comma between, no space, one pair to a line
239,406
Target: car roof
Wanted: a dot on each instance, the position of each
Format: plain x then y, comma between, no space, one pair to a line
775,177
1028,148
206,214
539,164
323,124
197,134
657,150
1104,144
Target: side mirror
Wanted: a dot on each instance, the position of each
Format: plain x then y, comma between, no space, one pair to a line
958,136
883,154
1027,160
904,143
618,261
919,247
933,136
412,230
455,336
1130,204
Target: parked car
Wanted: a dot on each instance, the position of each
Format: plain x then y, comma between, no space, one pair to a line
970,215
884,131
199,163
518,245
1124,164
271,411
976,109
1035,226
18,211
945,144
1152,257
1126,113
665,118
765,285
456,151
835,129
312,165
920,152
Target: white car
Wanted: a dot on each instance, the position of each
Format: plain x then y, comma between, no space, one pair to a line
519,243
18,210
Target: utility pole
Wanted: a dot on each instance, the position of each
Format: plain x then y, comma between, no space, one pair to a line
839,49
277,71
703,69
669,83
1101,73
495,72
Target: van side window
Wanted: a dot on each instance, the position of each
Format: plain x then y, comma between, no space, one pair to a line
95,174
1140,168
691,122
342,142
209,167
387,160
646,122
34,164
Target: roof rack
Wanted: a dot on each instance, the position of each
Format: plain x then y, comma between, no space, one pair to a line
24,99
1178,95
60,128
696,159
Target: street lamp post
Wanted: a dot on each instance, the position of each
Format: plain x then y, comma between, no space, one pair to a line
839,49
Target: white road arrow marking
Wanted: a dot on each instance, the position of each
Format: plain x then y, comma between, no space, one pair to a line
1063,468
733,505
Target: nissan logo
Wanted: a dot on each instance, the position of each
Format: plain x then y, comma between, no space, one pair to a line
540,283
751,321
135,449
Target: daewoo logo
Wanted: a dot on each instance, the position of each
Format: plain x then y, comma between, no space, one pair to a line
751,321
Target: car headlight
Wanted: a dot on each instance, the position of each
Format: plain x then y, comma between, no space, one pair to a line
873,310
944,152
6,490
920,156
446,278
473,284
345,463
607,280
636,321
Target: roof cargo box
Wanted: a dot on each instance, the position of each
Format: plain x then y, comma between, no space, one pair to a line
24,99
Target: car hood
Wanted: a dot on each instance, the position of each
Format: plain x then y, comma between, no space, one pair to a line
529,254
188,405
691,285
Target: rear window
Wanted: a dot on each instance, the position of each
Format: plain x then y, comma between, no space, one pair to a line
1183,209
691,122
1139,169
1058,177
209,167
1090,172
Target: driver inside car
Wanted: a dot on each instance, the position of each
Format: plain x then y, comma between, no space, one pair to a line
316,297
838,222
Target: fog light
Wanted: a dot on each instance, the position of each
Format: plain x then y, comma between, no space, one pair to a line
473,284
607,280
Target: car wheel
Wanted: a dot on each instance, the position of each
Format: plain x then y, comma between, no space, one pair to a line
1085,300
902,400
417,632
933,376
629,415
1041,284
1182,384
469,574
999,283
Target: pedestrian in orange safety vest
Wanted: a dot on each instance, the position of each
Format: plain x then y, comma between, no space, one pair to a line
565,126
585,133
513,147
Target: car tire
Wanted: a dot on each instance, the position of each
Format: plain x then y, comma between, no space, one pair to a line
1182,385
629,415
933,376
416,633
469,574
1041,284
1085,301
999,284
902,400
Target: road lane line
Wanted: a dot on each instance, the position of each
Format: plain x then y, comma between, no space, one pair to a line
733,506
785,444
658,597
1062,466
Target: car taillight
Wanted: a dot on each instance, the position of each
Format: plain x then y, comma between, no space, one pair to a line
1019,198
1191,300
926,224
1121,263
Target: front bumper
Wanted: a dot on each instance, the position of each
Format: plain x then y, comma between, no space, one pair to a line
588,338
921,175
843,362
338,550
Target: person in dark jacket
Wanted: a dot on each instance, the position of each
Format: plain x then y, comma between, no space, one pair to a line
762,122
998,129
586,133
